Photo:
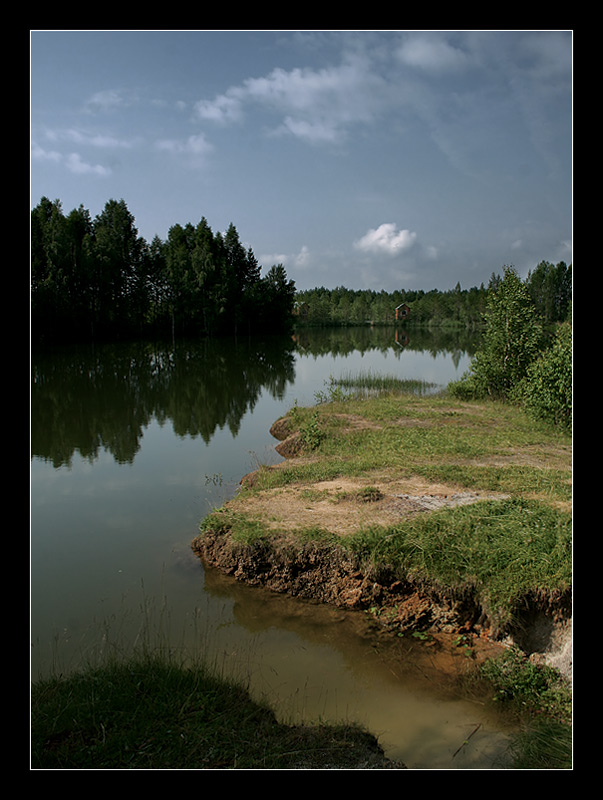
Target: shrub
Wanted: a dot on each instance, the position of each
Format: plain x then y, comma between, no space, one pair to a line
512,340
546,391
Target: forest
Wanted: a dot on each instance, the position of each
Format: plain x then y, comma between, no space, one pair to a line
97,279
549,286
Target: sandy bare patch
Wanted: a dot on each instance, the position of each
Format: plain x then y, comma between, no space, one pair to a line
344,505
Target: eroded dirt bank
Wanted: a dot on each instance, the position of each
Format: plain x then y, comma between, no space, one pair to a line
327,573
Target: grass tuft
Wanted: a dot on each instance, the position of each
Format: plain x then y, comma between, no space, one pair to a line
367,384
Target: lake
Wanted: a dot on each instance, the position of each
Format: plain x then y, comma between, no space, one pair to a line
133,444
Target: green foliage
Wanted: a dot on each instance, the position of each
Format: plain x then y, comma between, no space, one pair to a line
321,307
550,287
542,699
516,360
307,422
512,340
546,390
527,685
276,295
99,279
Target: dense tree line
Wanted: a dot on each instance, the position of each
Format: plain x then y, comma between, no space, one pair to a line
549,286
325,307
97,278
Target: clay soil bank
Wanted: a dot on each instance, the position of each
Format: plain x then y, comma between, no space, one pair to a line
279,504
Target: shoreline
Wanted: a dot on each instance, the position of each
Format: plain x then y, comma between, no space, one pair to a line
301,522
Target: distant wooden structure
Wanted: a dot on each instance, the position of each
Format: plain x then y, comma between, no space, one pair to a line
301,310
402,311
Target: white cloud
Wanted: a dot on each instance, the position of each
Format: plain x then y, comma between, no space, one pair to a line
223,109
85,138
73,161
107,100
314,105
431,53
302,258
386,239
39,154
317,131
299,260
196,146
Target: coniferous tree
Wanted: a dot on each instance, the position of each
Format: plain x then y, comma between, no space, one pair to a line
179,273
156,282
49,269
116,252
278,297
206,274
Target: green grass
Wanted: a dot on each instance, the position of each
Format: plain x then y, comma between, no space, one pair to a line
498,553
544,744
366,384
240,527
436,437
502,553
553,484
152,713
541,703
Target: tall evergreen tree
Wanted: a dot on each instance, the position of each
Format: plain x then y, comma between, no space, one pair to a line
206,274
79,237
116,257
179,273
278,293
49,269
98,277
156,282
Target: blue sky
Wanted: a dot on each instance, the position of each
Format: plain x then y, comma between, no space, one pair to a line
366,159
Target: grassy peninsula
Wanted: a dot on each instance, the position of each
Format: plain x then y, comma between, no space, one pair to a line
433,513
467,502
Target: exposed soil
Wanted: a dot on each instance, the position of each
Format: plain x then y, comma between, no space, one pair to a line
328,574
345,504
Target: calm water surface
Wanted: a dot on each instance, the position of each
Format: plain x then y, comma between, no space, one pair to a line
132,446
